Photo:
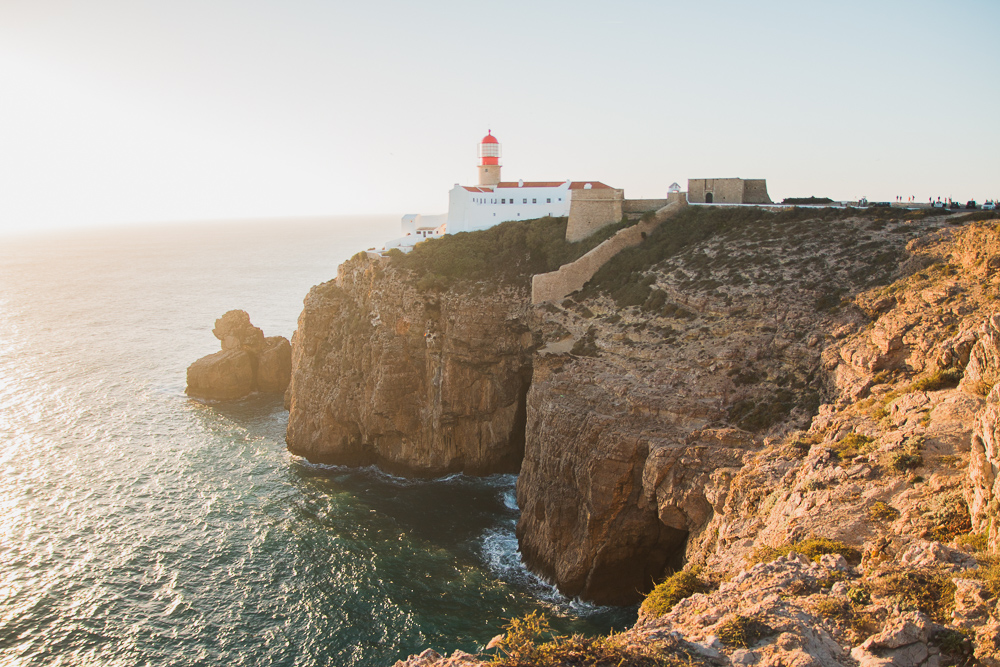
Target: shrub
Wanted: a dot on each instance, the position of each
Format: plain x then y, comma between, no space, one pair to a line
743,631
812,547
925,589
858,595
757,413
852,445
806,200
953,643
949,516
800,444
904,459
586,345
881,511
972,541
989,573
940,380
812,485
524,645
510,252
675,588
833,607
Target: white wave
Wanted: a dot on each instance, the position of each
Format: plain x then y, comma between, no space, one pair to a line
503,558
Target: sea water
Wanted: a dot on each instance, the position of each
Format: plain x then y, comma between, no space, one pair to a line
141,527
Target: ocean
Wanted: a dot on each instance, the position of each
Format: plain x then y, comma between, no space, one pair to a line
141,527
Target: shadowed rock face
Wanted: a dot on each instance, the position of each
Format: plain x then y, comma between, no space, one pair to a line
248,362
421,384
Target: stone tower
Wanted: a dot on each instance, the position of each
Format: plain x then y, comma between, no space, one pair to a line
489,161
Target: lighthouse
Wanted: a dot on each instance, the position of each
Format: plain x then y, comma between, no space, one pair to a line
489,161
588,205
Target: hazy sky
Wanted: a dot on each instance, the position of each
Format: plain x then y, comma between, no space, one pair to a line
150,110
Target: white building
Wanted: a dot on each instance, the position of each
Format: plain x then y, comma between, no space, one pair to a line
473,208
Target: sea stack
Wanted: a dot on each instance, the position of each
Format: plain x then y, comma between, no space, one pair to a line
248,362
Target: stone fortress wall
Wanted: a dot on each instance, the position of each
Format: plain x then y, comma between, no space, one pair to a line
570,277
728,191
643,205
590,210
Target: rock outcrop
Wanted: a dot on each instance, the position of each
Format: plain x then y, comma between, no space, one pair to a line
981,375
248,362
417,383
754,386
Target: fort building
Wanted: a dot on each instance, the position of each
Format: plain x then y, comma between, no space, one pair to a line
588,205
727,191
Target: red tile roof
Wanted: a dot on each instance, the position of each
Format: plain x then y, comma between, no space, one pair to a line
531,184
574,185
595,185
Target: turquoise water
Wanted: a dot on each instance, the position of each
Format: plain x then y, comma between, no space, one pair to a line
140,527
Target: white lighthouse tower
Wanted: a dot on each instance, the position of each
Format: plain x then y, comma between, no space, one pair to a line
489,161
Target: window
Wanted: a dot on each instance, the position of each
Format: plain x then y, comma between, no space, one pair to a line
560,199
525,201
548,200
503,201
534,201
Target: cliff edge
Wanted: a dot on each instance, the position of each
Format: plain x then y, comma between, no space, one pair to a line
796,411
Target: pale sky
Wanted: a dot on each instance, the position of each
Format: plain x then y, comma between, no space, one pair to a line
122,111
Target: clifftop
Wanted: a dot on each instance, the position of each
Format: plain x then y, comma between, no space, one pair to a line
741,383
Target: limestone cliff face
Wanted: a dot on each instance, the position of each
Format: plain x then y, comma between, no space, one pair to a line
762,383
417,383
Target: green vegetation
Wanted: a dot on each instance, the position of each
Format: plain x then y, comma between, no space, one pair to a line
905,459
509,253
750,237
805,201
528,642
859,595
972,541
743,631
988,572
881,511
860,624
675,588
949,516
759,413
812,547
944,379
852,445
586,345
979,216
955,644
925,589
799,444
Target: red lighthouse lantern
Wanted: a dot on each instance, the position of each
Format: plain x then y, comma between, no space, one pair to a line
489,161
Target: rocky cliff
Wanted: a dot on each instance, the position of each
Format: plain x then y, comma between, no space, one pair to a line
420,383
740,386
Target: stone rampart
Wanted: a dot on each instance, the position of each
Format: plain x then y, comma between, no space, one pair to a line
589,210
755,191
643,205
573,276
